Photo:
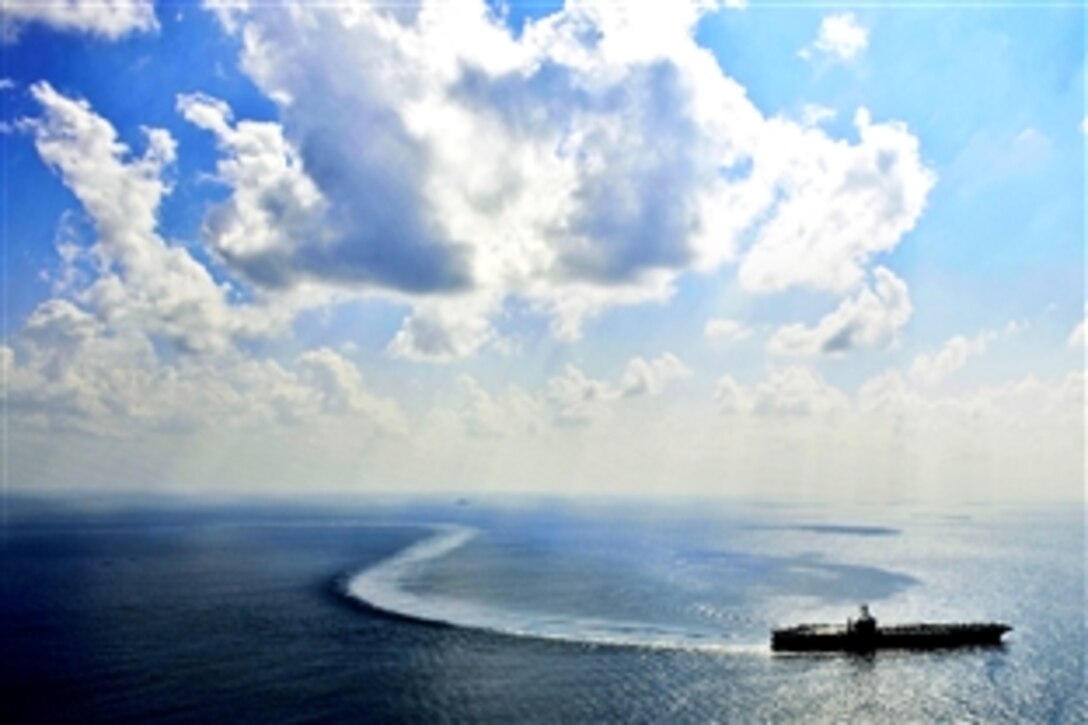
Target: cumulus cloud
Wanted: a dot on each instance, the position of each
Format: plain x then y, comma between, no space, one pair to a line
68,371
588,162
931,369
787,392
989,420
577,399
648,377
358,229
142,337
57,328
797,391
841,38
109,19
871,318
498,416
143,282
726,330
1025,407
555,192
339,385
838,206
731,396
888,393
274,209
443,332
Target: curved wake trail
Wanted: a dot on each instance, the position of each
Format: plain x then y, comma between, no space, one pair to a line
382,587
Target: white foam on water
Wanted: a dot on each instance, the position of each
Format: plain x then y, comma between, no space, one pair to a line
382,587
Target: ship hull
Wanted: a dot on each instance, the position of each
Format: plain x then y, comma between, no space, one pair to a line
825,638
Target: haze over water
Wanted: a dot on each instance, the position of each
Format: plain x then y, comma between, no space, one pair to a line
506,361
537,611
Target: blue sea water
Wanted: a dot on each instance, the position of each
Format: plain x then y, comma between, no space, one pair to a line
525,611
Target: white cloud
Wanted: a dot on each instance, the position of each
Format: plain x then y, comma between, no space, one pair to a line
450,157
58,328
577,399
279,228
274,209
1077,336
110,19
487,416
871,318
797,391
731,396
340,387
570,305
144,283
726,330
933,368
426,155
813,114
228,12
142,338
1022,438
72,372
443,332
648,377
276,230
1027,407
841,38
792,392
888,393
839,206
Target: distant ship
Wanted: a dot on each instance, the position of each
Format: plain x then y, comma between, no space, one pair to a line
863,635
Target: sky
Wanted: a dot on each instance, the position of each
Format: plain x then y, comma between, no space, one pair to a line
586,248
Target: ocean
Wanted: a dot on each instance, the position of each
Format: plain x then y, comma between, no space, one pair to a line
530,611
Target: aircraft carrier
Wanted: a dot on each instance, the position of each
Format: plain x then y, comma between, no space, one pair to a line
865,635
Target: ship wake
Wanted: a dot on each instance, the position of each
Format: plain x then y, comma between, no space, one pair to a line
382,587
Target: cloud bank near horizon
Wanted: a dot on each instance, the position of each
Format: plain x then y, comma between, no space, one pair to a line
498,187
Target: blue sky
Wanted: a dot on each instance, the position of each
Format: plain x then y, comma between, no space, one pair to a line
631,247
